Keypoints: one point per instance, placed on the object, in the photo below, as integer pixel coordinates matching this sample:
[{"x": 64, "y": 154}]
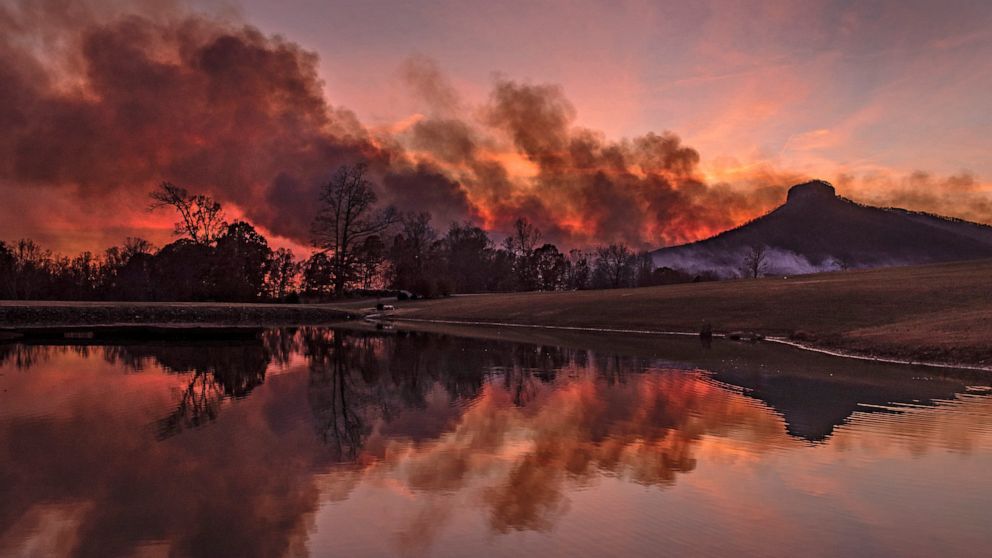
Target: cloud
[
  {"x": 104, "y": 101},
  {"x": 222, "y": 108}
]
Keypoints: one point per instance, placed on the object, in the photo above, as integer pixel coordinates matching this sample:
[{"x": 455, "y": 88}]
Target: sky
[
  {"x": 819, "y": 87},
  {"x": 652, "y": 123}
]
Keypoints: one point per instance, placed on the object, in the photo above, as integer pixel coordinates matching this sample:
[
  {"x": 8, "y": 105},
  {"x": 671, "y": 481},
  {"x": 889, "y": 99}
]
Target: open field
[
  {"x": 940, "y": 313},
  {"x": 29, "y": 314},
  {"x": 937, "y": 313}
]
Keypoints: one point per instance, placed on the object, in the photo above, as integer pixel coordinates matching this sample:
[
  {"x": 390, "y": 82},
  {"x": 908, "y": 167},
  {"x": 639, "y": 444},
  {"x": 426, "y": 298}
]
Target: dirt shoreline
[
  {"x": 934, "y": 314},
  {"x": 869, "y": 357},
  {"x": 938, "y": 314}
]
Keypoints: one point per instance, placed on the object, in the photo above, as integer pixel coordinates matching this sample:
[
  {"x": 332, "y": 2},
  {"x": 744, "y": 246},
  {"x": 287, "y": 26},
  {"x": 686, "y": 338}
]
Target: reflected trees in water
[{"x": 516, "y": 427}]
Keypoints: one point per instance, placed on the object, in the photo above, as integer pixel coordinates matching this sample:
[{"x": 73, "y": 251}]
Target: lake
[{"x": 352, "y": 442}]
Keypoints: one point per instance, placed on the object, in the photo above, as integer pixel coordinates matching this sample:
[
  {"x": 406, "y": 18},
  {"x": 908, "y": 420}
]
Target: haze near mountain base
[{"x": 817, "y": 230}]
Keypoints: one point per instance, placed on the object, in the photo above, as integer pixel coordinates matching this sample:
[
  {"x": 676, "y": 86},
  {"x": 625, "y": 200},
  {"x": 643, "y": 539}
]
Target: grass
[
  {"x": 937, "y": 312},
  {"x": 940, "y": 313}
]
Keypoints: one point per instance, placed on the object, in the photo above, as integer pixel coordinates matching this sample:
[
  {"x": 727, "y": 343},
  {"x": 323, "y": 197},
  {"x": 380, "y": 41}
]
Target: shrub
[
  {"x": 425, "y": 288},
  {"x": 444, "y": 287}
]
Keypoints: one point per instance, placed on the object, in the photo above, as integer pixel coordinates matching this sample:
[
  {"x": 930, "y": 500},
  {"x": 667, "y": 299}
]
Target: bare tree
[
  {"x": 200, "y": 217},
  {"x": 524, "y": 238},
  {"x": 522, "y": 243},
  {"x": 346, "y": 218},
  {"x": 371, "y": 255},
  {"x": 413, "y": 255},
  {"x": 614, "y": 266},
  {"x": 469, "y": 254},
  {"x": 579, "y": 270},
  {"x": 755, "y": 261},
  {"x": 643, "y": 274},
  {"x": 282, "y": 273},
  {"x": 32, "y": 265},
  {"x": 551, "y": 266},
  {"x": 8, "y": 272}
]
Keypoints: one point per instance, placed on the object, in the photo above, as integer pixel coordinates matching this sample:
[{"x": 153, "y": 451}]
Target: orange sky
[
  {"x": 596, "y": 448},
  {"x": 886, "y": 100}
]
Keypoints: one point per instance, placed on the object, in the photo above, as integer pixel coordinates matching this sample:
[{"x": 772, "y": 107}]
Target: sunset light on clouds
[
  {"x": 495, "y": 279},
  {"x": 650, "y": 123}
]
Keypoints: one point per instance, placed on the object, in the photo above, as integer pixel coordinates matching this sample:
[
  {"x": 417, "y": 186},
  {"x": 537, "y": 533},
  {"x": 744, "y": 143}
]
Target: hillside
[
  {"x": 933, "y": 312},
  {"x": 817, "y": 230}
]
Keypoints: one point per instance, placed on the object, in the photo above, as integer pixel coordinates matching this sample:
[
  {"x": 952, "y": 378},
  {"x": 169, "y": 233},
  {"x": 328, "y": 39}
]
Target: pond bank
[
  {"x": 419, "y": 323},
  {"x": 937, "y": 314},
  {"x": 18, "y": 316}
]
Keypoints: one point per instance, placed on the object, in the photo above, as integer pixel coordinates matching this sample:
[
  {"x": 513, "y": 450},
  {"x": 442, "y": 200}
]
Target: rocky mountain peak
[{"x": 814, "y": 190}]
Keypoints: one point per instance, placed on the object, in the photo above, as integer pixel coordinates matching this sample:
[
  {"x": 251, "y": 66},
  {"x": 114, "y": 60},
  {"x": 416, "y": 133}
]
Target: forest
[{"x": 359, "y": 249}]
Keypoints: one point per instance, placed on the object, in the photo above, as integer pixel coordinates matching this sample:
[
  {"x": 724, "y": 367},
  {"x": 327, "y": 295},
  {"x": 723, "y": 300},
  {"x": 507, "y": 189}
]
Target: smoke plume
[{"x": 99, "y": 105}]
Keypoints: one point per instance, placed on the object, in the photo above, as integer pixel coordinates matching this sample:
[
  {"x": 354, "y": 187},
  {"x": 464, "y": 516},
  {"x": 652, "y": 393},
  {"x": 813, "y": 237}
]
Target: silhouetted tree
[
  {"x": 317, "y": 275},
  {"x": 469, "y": 254},
  {"x": 521, "y": 244},
  {"x": 579, "y": 270},
  {"x": 413, "y": 256},
  {"x": 346, "y": 218},
  {"x": 116, "y": 259},
  {"x": 614, "y": 267},
  {"x": 8, "y": 270},
  {"x": 240, "y": 262},
  {"x": 281, "y": 274},
  {"x": 755, "y": 261},
  {"x": 643, "y": 269},
  {"x": 371, "y": 256},
  {"x": 502, "y": 277},
  {"x": 134, "y": 280},
  {"x": 551, "y": 268},
  {"x": 218, "y": 261},
  {"x": 182, "y": 270},
  {"x": 80, "y": 276},
  {"x": 200, "y": 217},
  {"x": 34, "y": 270}
]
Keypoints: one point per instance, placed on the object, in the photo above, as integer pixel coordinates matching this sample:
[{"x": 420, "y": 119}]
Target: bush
[
  {"x": 425, "y": 288},
  {"x": 444, "y": 287}
]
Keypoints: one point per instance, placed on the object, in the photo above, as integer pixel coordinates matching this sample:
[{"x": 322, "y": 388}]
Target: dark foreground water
[{"x": 344, "y": 443}]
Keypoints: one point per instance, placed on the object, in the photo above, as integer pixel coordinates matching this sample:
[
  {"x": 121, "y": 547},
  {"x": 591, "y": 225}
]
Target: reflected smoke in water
[{"x": 520, "y": 426}]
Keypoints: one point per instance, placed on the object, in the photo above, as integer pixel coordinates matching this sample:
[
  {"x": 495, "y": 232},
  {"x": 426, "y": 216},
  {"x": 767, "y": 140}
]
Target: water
[{"x": 350, "y": 443}]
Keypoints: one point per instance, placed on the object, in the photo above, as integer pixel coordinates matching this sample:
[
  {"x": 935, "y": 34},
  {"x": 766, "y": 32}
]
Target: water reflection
[{"x": 256, "y": 441}]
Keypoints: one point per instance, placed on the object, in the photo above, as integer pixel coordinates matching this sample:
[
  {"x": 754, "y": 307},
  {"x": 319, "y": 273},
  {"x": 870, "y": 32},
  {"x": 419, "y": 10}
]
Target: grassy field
[{"x": 939, "y": 313}]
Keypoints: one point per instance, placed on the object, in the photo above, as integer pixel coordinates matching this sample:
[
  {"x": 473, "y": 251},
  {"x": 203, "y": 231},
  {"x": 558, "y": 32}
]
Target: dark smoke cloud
[
  {"x": 429, "y": 188},
  {"x": 214, "y": 106},
  {"x": 584, "y": 188},
  {"x": 113, "y": 104}
]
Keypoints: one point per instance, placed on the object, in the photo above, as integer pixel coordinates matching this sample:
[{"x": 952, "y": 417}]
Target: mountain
[{"x": 817, "y": 230}]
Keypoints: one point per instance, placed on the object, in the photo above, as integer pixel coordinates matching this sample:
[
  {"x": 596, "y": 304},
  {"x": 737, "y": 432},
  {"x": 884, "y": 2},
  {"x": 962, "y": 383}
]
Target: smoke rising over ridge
[
  {"x": 221, "y": 107},
  {"x": 98, "y": 106}
]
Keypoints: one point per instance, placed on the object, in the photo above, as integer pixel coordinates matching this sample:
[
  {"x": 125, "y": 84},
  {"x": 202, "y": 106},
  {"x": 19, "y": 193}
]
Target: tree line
[{"x": 360, "y": 247}]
